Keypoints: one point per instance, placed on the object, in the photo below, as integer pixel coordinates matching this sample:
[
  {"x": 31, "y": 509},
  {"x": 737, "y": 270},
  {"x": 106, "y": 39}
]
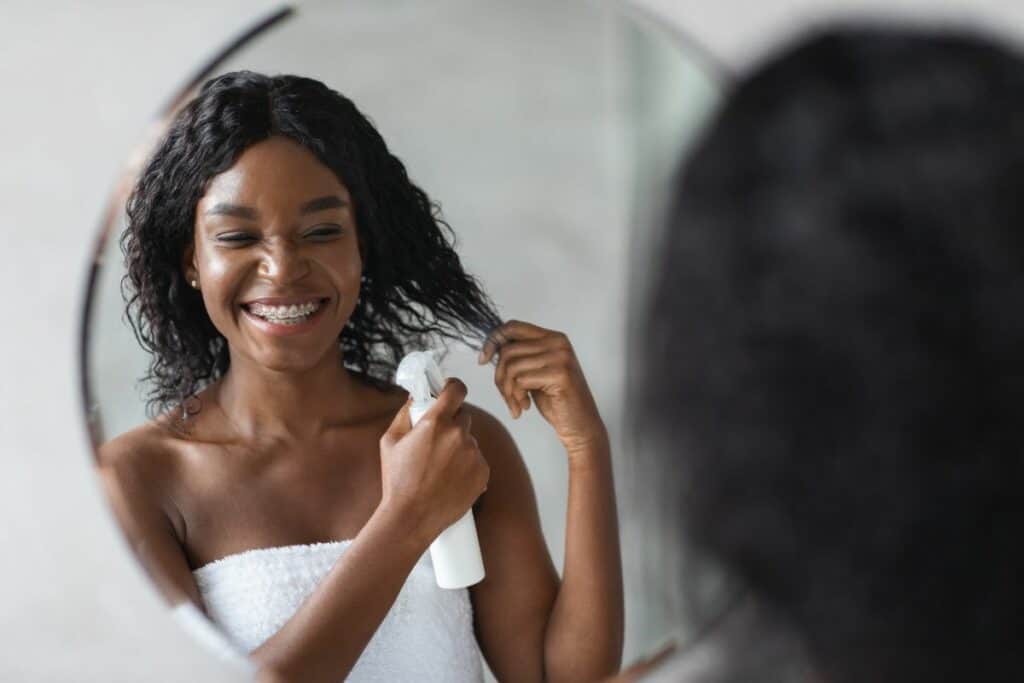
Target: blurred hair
[
  {"x": 832, "y": 354},
  {"x": 414, "y": 290}
]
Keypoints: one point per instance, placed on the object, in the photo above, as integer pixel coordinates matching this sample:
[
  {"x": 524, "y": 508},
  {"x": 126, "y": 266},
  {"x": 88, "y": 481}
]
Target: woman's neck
[{"x": 289, "y": 405}]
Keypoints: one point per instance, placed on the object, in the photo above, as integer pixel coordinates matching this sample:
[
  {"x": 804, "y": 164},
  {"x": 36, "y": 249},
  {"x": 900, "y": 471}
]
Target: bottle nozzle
[{"x": 420, "y": 375}]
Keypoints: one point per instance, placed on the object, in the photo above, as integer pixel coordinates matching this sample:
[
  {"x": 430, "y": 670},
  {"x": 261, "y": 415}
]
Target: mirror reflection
[{"x": 358, "y": 185}]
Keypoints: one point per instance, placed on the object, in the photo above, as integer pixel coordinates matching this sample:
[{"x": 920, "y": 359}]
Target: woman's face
[{"x": 276, "y": 256}]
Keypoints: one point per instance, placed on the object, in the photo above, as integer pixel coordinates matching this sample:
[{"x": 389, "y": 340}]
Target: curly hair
[
  {"x": 414, "y": 289},
  {"x": 832, "y": 351}
]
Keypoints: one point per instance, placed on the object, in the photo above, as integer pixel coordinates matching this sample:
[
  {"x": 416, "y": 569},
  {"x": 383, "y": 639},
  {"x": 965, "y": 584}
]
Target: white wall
[{"x": 80, "y": 82}]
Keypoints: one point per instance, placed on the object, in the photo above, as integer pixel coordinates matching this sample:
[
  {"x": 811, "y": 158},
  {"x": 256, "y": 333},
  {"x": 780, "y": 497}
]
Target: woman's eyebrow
[
  {"x": 321, "y": 203},
  {"x": 227, "y": 209},
  {"x": 312, "y": 206}
]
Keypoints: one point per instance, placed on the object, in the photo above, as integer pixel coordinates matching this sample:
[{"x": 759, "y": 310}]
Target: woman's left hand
[{"x": 540, "y": 364}]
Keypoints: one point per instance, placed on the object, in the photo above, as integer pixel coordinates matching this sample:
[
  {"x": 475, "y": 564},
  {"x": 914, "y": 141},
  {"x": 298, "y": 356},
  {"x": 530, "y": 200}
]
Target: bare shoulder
[
  {"x": 509, "y": 486},
  {"x": 138, "y": 470},
  {"x": 494, "y": 439},
  {"x": 145, "y": 449}
]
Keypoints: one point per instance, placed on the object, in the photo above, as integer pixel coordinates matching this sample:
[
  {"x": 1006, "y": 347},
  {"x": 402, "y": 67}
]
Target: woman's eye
[
  {"x": 324, "y": 232},
  {"x": 235, "y": 238}
]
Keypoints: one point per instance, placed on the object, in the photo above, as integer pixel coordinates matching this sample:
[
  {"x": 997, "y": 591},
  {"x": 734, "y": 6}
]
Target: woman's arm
[
  {"x": 512, "y": 604},
  {"x": 531, "y": 626},
  {"x": 585, "y": 632},
  {"x": 133, "y": 472},
  {"x": 326, "y": 636}
]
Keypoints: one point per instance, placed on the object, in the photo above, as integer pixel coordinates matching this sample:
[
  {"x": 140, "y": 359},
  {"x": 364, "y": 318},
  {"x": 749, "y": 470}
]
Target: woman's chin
[
  {"x": 292, "y": 355},
  {"x": 290, "y": 363}
]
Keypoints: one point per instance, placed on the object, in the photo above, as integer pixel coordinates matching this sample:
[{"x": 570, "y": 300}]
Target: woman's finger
[
  {"x": 491, "y": 344},
  {"x": 449, "y": 401},
  {"x": 526, "y": 348},
  {"x": 517, "y": 329},
  {"x": 541, "y": 378},
  {"x": 464, "y": 421},
  {"x": 510, "y": 369},
  {"x": 500, "y": 373},
  {"x": 400, "y": 424},
  {"x": 500, "y": 383},
  {"x": 506, "y": 361},
  {"x": 513, "y": 330},
  {"x": 644, "y": 666}
]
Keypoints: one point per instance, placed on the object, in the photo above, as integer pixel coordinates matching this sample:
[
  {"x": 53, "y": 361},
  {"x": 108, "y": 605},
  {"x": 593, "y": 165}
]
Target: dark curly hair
[
  {"x": 414, "y": 291},
  {"x": 833, "y": 350}
]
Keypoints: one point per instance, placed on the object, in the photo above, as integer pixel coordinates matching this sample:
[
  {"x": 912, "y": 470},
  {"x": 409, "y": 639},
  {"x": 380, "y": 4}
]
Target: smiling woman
[
  {"x": 280, "y": 263},
  {"x": 273, "y": 263},
  {"x": 277, "y": 182}
]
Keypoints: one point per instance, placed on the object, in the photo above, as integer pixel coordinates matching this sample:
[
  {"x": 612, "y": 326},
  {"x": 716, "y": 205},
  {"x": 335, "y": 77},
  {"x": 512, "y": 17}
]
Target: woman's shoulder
[
  {"x": 139, "y": 470},
  {"x": 123, "y": 447},
  {"x": 144, "y": 454},
  {"x": 486, "y": 427},
  {"x": 496, "y": 443}
]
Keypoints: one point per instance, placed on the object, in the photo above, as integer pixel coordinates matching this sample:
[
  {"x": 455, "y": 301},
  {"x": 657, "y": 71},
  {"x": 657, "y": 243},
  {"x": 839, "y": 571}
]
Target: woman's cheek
[
  {"x": 217, "y": 265},
  {"x": 220, "y": 276},
  {"x": 350, "y": 266}
]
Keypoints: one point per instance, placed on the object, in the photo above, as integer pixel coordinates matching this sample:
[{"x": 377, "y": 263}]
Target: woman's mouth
[{"x": 285, "y": 319}]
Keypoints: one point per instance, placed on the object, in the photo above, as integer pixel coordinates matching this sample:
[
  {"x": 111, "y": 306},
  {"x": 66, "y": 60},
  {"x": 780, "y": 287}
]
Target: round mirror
[{"x": 543, "y": 134}]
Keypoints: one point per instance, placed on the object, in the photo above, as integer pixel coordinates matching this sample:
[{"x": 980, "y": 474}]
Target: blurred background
[{"x": 606, "y": 102}]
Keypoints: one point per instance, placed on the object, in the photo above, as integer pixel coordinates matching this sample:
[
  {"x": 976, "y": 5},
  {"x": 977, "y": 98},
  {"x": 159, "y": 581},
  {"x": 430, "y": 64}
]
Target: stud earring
[{"x": 195, "y": 285}]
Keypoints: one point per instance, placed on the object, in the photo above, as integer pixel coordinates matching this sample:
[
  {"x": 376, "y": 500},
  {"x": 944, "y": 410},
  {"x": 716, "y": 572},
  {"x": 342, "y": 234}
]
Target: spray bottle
[{"x": 455, "y": 554}]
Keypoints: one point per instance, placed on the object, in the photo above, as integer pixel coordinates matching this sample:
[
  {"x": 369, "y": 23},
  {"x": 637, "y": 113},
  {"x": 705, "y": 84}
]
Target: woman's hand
[
  {"x": 432, "y": 473},
  {"x": 540, "y": 364}
]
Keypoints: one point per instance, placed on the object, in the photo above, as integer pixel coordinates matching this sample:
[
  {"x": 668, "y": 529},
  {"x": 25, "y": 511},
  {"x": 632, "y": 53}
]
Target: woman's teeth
[{"x": 287, "y": 315}]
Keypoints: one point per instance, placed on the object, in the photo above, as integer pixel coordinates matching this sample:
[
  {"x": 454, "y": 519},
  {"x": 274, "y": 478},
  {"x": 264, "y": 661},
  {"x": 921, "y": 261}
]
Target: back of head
[{"x": 834, "y": 348}]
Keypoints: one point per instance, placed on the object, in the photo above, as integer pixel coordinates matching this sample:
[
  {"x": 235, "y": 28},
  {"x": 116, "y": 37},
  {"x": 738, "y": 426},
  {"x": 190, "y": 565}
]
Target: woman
[
  {"x": 280, "y": 263},
  {"x": 840, "y": 294}
]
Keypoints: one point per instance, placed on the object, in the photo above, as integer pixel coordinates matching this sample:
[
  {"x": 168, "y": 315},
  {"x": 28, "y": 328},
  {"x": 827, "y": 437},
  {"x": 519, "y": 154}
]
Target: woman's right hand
[{"x": 432, "y": 473}]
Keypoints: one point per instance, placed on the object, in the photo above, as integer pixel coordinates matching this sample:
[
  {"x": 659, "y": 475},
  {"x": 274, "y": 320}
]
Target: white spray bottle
[{"x": 455, "y": 554}]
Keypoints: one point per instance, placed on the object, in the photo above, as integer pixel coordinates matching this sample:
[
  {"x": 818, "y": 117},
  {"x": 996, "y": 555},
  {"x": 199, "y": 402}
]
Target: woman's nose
[{"x": 283, "y": 262}]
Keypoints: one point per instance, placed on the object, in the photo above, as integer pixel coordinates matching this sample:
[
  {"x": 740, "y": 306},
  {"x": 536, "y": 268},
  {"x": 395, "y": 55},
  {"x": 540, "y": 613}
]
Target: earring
[{"x": 195, "y": 285}]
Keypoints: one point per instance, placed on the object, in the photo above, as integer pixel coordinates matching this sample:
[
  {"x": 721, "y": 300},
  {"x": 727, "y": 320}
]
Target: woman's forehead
[{"x": 274, "y": 173}]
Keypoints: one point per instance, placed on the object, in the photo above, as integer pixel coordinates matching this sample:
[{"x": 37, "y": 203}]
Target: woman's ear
[
  {"x": 188, "y": 263},
  {"x": 363, "y": 249},
  {"x": 362, "y": 254}
]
